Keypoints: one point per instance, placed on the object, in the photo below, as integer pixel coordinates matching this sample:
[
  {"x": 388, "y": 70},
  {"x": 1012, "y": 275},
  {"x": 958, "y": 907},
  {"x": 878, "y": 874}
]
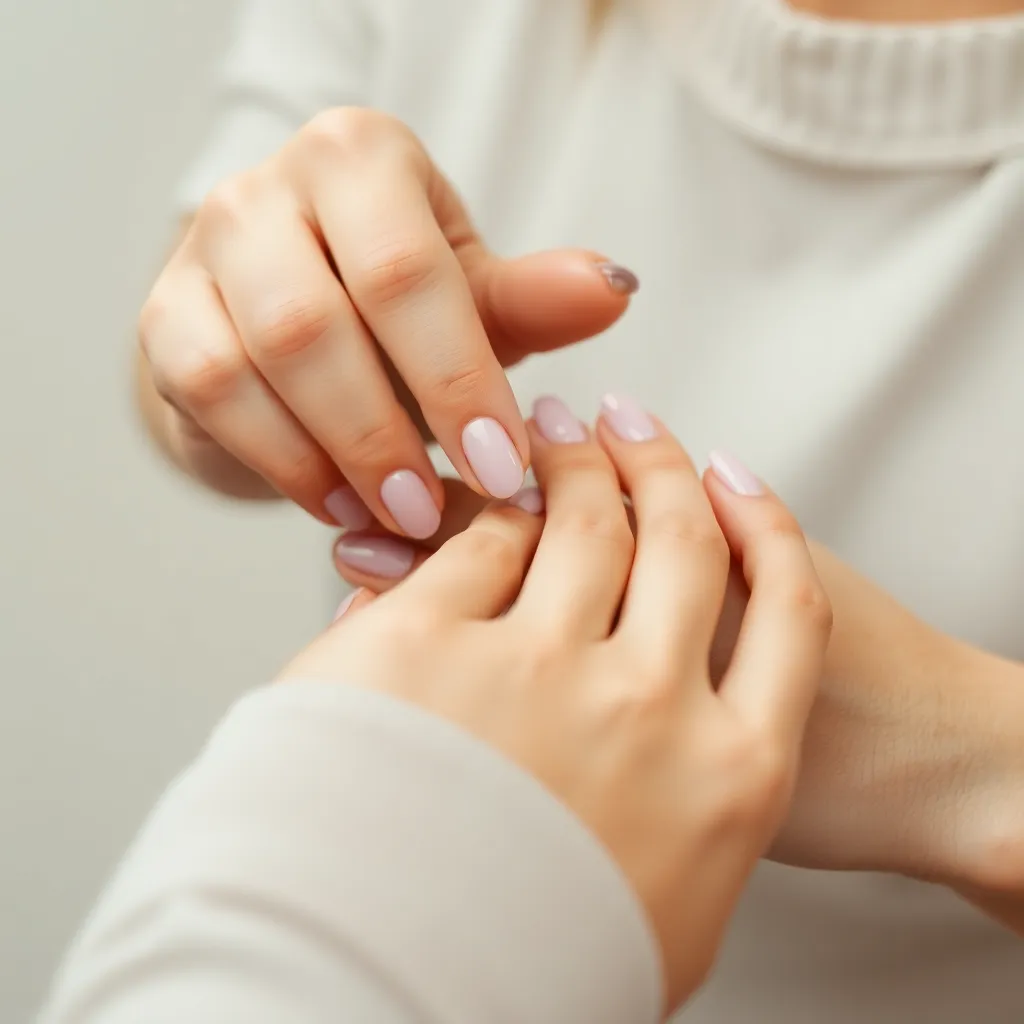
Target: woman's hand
[
  {"x": 584, "y": 657},
  {"x": 324, "y": 302}
]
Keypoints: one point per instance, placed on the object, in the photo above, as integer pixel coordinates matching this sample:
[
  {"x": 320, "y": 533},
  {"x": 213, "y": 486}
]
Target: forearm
[{"x": 337, "y": 855}]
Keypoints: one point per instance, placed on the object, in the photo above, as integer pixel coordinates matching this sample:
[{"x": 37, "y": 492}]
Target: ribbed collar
[{"x": 940, "y": 95}]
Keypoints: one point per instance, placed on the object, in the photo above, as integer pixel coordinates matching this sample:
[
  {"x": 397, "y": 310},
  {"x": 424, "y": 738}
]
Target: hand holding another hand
[{"x": 582, "y": 655}]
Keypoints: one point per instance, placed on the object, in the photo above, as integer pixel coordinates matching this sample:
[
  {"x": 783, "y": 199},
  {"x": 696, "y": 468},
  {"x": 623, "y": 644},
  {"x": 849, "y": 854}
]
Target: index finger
[
  {"x": 779, "y": 658},
  {"x": 403, "y": 276}
]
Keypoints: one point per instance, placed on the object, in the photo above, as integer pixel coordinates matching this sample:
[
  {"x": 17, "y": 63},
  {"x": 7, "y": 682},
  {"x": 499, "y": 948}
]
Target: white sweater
[{"x": 828, "y": 220}]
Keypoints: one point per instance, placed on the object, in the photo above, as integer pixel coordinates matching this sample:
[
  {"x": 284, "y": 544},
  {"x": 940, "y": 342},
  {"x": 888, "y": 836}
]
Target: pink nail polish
[
  {"x": 529, "y": 499},
  {"x": 387, "y": 557},
  {"x": 346, "y": 604},
  {"x": 556, "y": 422},
  {"x": 346, "y": 508},
  {"x": 492, "y": 457},
  {"x": 406, "y": 497},
  {"x": 620, "y": 278},
  {"x": 735, "y": 475},
  {"x": 627, "y": 419}
]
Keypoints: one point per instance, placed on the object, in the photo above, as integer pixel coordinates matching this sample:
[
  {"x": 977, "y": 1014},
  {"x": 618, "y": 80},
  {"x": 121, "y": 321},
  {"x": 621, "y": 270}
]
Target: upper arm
[{"x": 286, "y": 61}]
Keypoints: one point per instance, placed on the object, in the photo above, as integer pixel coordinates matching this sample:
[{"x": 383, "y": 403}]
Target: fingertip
[{"x": 734, "y": 475}]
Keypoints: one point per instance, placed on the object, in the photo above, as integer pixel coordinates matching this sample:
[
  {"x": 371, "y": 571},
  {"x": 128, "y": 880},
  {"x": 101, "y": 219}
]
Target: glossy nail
[
  {"x": 347, "y": 509},
  {"x": 627, "y": 419},
  {"x": 529, "y": 499},
  {"x": 386, "y": 557},
  {"x": 556, "y": 423},
  {"x": 346, "y": 604},
  {"x": 493, "y": 457},
  {"x": 619, "y": 278},
  {"x": 735, "y": 475},
  {"x": 406, "y": 497}
]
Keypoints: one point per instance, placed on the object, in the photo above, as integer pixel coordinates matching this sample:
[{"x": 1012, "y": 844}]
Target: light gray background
[{"x": 133, "y": 607}]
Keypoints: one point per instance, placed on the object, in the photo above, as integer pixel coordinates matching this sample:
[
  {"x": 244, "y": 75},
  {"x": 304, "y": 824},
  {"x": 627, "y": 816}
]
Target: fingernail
[
  {"x": 406, "y": 497},
  {"x": 529, "y": 499},
  {"x": 386, "y": 557},
  {"x": 556, "y": 422},
  {"x": 735, "y": 475},
  {"x": 346, "y": 508},
  {"x": 621, "y": 279},
  {"x": 346, "y": 604},
  {"x": 493, "y": 457},
  {"x": 627, "y": 419}
]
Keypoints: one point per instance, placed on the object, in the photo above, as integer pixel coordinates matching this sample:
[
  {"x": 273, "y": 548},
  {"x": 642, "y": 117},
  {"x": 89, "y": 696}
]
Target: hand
[
  {"x": 317, "y": 293},
  {"x": 596, "y": 680}
]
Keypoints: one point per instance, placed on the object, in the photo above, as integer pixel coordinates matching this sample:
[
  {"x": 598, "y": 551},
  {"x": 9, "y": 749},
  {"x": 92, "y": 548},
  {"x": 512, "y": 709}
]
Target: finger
[
  {"x": 575, "y": 585},
  {"x": 478, "y": 573},
  {"x": 375, "y": 210},
  {"x": 200, "y": 367},
  {"x": 681, "y": 566},
  {"x": 777, "y": 664},
  {"x": 544, "y": 301},
  {"x": 379, "y": 560},
  {"x": 359, "y": 598},
  {"x": 307, "y": 340}
]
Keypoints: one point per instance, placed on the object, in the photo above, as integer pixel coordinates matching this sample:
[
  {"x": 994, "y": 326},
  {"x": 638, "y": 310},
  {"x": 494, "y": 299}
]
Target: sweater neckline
[{"x": 946, "y": 94}]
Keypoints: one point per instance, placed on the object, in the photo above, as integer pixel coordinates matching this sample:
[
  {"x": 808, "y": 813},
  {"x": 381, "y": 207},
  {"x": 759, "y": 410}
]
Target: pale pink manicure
[
  {"x": 406, "y": 497},
  {"x": 556, "y": 422},
  {"x": 346, "y": 604},
  {"x": 493, "y": 457},
  {"x": 627, "y": 419},
  {"x": 735, "y": 475},
  {"x": 529, "y": 499},
  {"x": 386, "y": 557},
  {"x": 620, "y": 278},
  {"x": 346, "y": 508}
]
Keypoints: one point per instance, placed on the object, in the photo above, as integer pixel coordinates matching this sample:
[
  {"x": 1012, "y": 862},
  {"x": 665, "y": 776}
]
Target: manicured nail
[
  {"x": 627, "y": 419},
  {"x": 493, "y": 457},
  {"x": 406, "y": 497},
  {"x": 621, "y": 280},
  {"x": 346, "y": 508},
  {"x": 735, "y": 475},
  {"x": 386, "y": 557},
  {"x": 556, "y": 422},
  {"x": 346, "y": 604},
  {"x": 529, "y": 499}
]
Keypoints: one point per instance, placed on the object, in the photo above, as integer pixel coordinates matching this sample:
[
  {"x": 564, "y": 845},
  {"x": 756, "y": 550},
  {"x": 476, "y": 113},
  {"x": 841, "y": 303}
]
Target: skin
[
  {"x": 953, "y": 714},
  {"x": 597, "y": 679}
]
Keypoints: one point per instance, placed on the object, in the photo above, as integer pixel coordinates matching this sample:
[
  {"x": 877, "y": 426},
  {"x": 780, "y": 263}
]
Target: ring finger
[{"x": 575, "y": 584}]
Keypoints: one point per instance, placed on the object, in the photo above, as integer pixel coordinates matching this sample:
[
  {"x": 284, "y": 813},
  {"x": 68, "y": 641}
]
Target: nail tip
[{"x": 621, "y": 279}]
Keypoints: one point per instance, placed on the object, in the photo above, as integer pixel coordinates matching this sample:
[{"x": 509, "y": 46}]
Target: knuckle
[
  {"x": 228, "y": 203},
  {"x": 761, "y": 775},
  {"x": 200, "y": 377},
  {"x": 806, "y": 600},
  {"x": 292, "y": 328},
  {"x": 455, "y": 385},
  {"x": 345, "y": 132},
  {"x": 684, "y": 529},
  {"x": 306, "y": 473},
  {"x": 372, "y": 442},
  {"x": 605, "y": 526},
  {"x": 152, "y": 318},
  {"x": 393, "y": 272},
  {"x": 496, "y": 541}
]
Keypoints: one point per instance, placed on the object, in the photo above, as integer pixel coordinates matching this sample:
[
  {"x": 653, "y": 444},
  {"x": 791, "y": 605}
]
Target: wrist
[{"x": 987, "y": 847}]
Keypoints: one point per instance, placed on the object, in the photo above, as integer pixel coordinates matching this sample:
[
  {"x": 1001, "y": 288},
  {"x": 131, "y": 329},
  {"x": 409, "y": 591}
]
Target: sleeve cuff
[{"x": 452, "y": 871}]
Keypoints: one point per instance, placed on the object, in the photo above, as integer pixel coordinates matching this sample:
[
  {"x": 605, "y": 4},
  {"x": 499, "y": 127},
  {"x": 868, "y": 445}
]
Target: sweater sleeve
[
  {"x": 286, "y": 61},
  {"x": 335, "y": 854}
]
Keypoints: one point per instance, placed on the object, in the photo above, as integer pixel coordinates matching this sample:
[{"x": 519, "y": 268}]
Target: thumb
[
  {"x": 378, "y": 560},
  {"x": 547, "y": 300}
]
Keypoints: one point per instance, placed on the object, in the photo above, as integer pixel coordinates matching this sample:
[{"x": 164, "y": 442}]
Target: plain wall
[{"x": 134, "y": 607}]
